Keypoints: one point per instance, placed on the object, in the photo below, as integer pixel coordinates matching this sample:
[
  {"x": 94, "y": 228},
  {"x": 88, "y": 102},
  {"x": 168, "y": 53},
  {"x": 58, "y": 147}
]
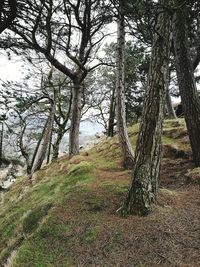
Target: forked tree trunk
[
  {"x": 186, "y": 81},
  {"x": 127, "y": 151},
  {"x": 143, "y": 191},
  {"x": 61, "y": 124},
  {"x": 42, "y": 146},
  {"x": 75, "y": 120}
]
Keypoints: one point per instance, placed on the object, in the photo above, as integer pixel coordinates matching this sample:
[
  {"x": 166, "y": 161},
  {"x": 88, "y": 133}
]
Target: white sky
[{"x": 10, "y": 69}]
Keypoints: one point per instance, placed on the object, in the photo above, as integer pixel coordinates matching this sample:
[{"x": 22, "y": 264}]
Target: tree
[
  {"x": 185, "y": 74},
  {"x": 169, "y": 107},
  {"x": 127, "y": 151},
  {"x": 42, "y": 146},
  {"x": 143, "y": 190},
  {"x": 64, "y": 30},
  {"x": 62, "y": 88},
  {"x": 2, "y": 120},
  {"x": 136, "y": 62}
]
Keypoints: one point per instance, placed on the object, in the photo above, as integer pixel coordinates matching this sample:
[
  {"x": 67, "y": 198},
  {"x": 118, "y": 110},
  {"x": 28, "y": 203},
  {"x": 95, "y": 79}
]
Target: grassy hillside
[{"x": 67, "y": 216}]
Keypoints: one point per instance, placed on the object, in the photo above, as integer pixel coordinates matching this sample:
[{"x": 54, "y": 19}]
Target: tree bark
[
  {"x": 126, "y": 149},
  {"x": 1, "y": 142},
  {"x": 111, "y": 121},
  {"x": 56, "y": 144},
  {"x": 49, "y": 147},
  {"x": 170, "y": 110},
  {"x": 75, "y": 120},
  {"x": 143, "y": 191},
  {"x": 42, "y": 146},
  {"x": 187, "y": 86}
]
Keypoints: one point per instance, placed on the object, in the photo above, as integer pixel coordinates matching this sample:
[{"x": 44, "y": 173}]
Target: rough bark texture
[
  {"x": 75, "y": 120},
  {"x": 42, "y": 147},
  {"x": 143, "y": 191},
  {"x": 127, "y": 152},
  {"x": 187, "y": 85}
]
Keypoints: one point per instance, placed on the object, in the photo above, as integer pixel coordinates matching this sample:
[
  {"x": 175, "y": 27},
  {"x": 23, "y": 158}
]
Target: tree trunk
[
  {"x": 170, "y": 110},
  {"x": 56, "y": 145},
  {"x": 111, "y": 121},
  {"x": 75, "y": 120},
  {"x": 169, "y": 107},
  {"x": 24, "y": 151},
  {"x": 49, "y": 147},
  {"x": 187, "y": 86},
  {"x": 1, "y": 142},
  {"x": 143, "y": 191},
  {"x": 127, "y": 152},
  {"x": 42, "y": 146}
]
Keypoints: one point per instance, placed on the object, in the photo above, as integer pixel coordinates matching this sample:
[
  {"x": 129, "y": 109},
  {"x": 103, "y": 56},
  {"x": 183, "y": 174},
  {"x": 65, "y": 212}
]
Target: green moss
[
  {"x": 167, "y": 140},
  {"x": 55, "y": 230},
  {"x": 32, "y": 220},
  {"x": 90, "y": 235},
  {"x": 81, "y": 168},
  {"x": 96, "y": 203},
  {"x": 46, "y": 247},
  {"x": 174, "y": 123}
]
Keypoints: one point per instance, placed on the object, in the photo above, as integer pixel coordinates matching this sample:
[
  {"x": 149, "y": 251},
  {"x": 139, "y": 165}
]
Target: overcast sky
[{"x": 10, "y": 69}]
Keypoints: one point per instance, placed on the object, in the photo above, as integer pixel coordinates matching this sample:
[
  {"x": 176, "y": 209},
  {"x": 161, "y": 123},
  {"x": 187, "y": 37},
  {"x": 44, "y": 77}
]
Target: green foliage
[{"x": 136, "y": 68}]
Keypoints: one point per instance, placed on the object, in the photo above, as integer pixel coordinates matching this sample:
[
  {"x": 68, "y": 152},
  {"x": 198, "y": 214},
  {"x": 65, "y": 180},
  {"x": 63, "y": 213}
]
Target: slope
[{"x": 67, "y": 215}]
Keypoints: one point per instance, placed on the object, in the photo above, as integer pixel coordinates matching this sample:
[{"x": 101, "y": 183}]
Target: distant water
[{"x": 88, "y": 130}]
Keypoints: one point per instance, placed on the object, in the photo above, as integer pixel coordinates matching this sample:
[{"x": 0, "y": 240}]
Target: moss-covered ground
[{"x": 67, "y": 215}]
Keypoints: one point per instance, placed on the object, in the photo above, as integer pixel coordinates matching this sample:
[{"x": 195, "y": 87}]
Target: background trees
[
  {"x": 69, "y": 30},
  {"x": 68, "y": 35}
]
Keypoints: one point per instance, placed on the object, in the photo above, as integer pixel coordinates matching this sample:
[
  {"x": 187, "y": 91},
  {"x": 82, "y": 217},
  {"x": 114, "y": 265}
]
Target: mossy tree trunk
[
  {"x": 143, "y": 190},
  {"x": 127, "y": 152},
  {"x": 187, "y": 86}
]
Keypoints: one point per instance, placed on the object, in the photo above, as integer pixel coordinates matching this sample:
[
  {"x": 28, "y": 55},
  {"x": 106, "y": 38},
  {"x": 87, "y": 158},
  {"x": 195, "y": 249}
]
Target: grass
[{"x": 67, "y": 216}]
